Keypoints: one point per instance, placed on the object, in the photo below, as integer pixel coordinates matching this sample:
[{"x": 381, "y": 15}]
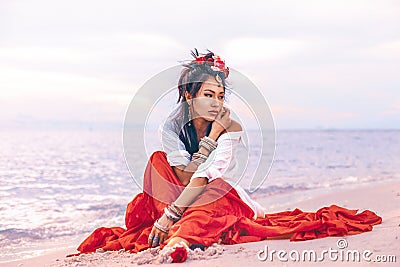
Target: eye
[
  {"x": 208, "y": 95},
  {"x": 222, "y": 97}
]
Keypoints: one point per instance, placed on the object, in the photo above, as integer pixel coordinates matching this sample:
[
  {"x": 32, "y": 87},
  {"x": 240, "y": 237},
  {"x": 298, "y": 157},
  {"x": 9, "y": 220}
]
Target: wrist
[
  {"x": 167, "y": 221},
  {"x": 172, "y": 213},
  {"x": 214, "y": 135}
]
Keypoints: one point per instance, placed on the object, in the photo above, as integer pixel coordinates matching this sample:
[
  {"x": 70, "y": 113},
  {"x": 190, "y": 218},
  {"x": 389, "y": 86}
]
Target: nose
[{"x": 215, "y": 103}]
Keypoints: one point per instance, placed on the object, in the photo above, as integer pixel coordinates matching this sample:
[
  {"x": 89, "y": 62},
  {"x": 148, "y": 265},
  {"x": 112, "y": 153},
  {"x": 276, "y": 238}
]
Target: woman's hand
[
  {"x": 157, "y": 236},
  {"x": 222, "y": 121}
]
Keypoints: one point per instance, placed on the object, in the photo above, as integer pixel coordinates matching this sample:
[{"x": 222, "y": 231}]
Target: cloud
[
  {"x": 113, "y": 54},
  {"x": 392, "y": 110},
  {"x": 36, "y": 82},
  {"x": 384, "y": 51},
  {"x": 331, "y": 57},
  {"x": 293, "y": 111},
  {"x": 242, "y": 50}
]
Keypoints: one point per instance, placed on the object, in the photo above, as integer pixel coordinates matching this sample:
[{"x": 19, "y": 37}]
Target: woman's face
[{"x": 209, "y": 100}]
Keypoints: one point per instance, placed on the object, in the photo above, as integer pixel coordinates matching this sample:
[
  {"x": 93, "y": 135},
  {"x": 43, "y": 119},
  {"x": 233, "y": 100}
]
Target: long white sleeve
[
  {"x": 173, "y": 147},
  {"x": 222, "y": 159},
  {"x": 221, "y": 163}
]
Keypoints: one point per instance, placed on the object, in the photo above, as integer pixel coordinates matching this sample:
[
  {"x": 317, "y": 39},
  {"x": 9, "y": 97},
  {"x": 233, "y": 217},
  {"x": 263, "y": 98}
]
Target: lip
[{"x": 214, "y": 112}]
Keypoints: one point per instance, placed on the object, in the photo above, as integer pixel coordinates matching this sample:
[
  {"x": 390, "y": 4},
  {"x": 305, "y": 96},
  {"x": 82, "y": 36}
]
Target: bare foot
[{"x": 177, "y": 239}]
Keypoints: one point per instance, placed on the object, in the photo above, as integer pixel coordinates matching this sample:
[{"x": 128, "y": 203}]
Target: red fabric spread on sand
[{"x": 228, "y": 219}]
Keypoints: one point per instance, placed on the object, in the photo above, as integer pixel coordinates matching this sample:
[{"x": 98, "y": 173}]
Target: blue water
[{"x": 57, "y": 187}]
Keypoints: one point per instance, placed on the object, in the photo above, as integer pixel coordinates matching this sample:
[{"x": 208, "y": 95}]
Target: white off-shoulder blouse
[{"x": 221, "y": 163}]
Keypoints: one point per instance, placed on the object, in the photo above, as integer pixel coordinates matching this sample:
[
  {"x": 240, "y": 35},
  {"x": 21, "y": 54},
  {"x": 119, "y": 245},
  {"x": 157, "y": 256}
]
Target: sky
[{"x": 319, "y": 64}]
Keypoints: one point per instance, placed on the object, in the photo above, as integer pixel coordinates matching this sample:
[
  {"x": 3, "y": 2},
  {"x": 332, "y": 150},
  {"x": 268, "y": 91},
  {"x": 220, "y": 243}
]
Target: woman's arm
[
  {"x": 188, "y": 195},
  {"x": 191, "y": 192},
  {"x": 184, "y": 173},
  {"x": 194, "y": 187},
  {"x": 197, "y": 185}
]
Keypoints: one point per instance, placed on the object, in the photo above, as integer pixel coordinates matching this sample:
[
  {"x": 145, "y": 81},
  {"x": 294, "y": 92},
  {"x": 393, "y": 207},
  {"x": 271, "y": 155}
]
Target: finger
[
  {"x": 156, "y": 243},
  {"x": 224, "y": 114},
  {"x": 162, "y": 238},
  {"x": 165, "y": 237},
  {"x": 221, "y": 113},
  {"x": 156, "y": 239},
  {"x": 151, "y": 236},
  {"x": 227, "y": 114}
]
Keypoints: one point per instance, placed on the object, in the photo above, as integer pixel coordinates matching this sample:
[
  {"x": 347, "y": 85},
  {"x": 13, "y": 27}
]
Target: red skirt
[{"x": 227, "y": 220}]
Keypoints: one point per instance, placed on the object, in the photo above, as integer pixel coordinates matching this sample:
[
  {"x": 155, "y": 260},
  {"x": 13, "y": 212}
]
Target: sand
[{"x": 383, "y": 240}]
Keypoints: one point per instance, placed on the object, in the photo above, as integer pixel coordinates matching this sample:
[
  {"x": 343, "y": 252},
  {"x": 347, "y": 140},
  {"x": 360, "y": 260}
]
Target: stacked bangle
[
  {"x": 198, "y": 158},
  {"x": 198, "y": 155},
  {"x": 160, "y": 227},
  {"x": 175, "y": 209},
  {"x": 171, "y": 215},
  {"x": 172, "y": 211},
  {"x": 208, "y": 143}
]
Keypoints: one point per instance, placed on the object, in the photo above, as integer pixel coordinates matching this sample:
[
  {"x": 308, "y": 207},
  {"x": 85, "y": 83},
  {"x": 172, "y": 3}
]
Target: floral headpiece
[{"x": 214, "y": 61}]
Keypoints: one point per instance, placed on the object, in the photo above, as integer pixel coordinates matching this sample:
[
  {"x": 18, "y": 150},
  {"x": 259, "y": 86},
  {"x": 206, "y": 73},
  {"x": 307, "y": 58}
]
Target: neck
[{"x": 201, "y": 126}]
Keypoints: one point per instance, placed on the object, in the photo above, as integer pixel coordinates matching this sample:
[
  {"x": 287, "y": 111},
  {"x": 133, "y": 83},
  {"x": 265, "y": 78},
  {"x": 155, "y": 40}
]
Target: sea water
[{"x": 56, "y": 187}]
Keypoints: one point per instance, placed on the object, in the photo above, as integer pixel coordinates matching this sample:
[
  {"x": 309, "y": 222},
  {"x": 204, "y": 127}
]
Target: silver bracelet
[
  {"x": 175, "y": 209},
  {"x": 209, "y": 141},
  {"x": 207, "y": 146},
  {"x": 198, "y": 158},
  {"x": 197, "y": 161},
  {"x": 198, "y": 155},
  {"x": 170, "y": 215},
  {"x": 160, "y": 227}
]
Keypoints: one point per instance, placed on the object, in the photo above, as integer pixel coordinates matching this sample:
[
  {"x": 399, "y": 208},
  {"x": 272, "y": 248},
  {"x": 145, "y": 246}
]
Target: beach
[
  {"x": 91, "y": 90},
  {"x": 382, "y": 241}
]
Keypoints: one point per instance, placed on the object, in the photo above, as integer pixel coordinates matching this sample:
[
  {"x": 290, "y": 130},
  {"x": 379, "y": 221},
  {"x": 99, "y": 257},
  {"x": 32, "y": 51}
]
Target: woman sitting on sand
[
  {"x": 188, "y": 194},
  {"x": 200, "y": 141}
]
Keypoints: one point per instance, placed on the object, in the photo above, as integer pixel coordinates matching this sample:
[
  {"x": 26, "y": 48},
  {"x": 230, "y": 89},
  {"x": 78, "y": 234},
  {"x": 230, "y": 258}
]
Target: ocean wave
[{"x": 79, "y": 181}]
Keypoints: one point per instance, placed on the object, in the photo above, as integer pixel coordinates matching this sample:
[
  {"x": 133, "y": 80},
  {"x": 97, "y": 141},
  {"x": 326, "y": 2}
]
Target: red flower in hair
[
  {"x": 200, "y": 60},
  {"x": 219, "y": 63},
  {"x": 226, "y": 71},
  {"x": 214, "y": 61},
  {"x": 179, "y": 254}
]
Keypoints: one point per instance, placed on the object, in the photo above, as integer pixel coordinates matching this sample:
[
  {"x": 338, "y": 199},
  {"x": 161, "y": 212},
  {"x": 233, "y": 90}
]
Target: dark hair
[{"x": 191, "y": 79}]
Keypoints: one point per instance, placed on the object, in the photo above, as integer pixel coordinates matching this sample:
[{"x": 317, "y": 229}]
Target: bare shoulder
[{"x": 235, "y": 127}]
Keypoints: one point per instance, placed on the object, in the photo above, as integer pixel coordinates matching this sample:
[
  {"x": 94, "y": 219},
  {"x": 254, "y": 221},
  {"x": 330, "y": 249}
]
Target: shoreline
[{"x": 384, "y": 238}]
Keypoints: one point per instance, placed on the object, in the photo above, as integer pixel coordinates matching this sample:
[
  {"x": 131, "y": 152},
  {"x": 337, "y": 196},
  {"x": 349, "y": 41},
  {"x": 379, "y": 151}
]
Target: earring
[
  {"x": 189, "y": 116},
  {"x": 219, "y": 80}
]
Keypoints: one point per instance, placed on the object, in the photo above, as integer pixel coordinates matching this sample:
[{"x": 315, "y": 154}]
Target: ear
[{"x": 187, "y": 96}]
